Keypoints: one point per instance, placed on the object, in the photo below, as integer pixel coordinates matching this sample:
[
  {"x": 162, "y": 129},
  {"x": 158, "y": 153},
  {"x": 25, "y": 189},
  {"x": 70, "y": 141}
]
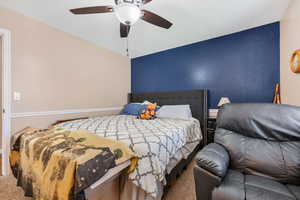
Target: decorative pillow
[
  {"x": 175, "y": 112},
  {"x": 133, "y": 109},
  {"x": 149, "y": 113}
]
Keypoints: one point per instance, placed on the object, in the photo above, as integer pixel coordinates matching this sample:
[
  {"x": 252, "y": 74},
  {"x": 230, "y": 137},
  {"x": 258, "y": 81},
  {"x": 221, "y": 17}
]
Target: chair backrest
[{"x": 262, "y": 139}]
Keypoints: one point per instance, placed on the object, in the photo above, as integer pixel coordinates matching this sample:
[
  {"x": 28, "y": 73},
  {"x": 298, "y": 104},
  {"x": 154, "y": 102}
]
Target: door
[{"x": 5, "y": 100}]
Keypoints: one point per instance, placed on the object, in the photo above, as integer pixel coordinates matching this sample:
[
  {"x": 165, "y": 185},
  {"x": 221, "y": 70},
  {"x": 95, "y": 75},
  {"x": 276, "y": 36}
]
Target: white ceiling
[{"x": 194, "y": 21}]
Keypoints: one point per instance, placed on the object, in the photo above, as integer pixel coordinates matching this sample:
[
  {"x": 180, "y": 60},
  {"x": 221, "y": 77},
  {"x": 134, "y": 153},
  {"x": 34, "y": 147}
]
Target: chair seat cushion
[
  {"x": 232, "y": 187},
  {"x": 259, "y": 188},
  {"x": 237, "y": 186},
  {"x": 295, "y": 190}
]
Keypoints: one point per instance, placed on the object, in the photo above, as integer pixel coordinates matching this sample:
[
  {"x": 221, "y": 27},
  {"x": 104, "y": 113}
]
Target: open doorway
[{"x": 5, "y": 100}]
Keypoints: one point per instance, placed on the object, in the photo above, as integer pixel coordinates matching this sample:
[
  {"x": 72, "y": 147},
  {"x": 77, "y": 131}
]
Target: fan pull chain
[
  {"x": 127, "y": 47},
  {"x": 127, "y": 42}
]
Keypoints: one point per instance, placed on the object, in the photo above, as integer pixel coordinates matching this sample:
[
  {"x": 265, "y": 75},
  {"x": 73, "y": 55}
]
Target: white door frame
[{"x": 6, "y": 99}]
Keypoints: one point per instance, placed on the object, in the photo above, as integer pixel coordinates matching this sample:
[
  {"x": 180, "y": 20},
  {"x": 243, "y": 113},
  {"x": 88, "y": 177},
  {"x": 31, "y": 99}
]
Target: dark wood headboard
[{"x": 197, "y": 99}]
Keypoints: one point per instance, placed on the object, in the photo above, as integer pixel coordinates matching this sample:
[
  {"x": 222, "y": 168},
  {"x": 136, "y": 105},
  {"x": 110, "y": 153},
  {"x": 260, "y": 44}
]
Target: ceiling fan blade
[
  {"x": 92, "y": 10},
  {"x": 155, "y": 19},
  {"x": 146, "y": 1},
  {"x": 124, "y": 30}
]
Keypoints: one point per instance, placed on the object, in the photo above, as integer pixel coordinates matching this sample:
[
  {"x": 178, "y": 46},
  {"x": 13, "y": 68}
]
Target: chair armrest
[
  {"x": 205, "y": 183},
  {"x": 213, "y": 158}
]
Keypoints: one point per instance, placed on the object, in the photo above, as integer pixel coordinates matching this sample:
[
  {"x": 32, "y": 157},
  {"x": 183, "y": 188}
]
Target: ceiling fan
[{"x": 128, "y": 12}]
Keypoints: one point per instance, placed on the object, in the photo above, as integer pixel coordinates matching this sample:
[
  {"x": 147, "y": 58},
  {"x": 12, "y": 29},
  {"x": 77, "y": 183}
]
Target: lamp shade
[
  {"x": 128, "y": 13},
  {"x": 223, "y": 100}
]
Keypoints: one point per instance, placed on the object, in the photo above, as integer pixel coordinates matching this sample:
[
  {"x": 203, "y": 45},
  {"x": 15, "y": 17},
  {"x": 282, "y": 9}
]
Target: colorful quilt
[
  {"x": 155, "y": 142},
  {"x": 56, "y": 164}
]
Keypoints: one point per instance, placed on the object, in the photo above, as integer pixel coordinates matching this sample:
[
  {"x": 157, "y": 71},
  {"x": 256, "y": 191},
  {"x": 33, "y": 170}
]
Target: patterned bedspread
[
  {"x": 56, "y": 164},
  {"x": 154, "y": 141}
]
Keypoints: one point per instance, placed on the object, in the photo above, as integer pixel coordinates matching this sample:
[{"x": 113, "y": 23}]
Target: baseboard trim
[{"x": 63, "y": 112}]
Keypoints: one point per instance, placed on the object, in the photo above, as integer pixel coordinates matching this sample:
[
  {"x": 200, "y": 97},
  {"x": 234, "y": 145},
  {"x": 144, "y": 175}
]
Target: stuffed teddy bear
[{"x": 148, "y": 113}]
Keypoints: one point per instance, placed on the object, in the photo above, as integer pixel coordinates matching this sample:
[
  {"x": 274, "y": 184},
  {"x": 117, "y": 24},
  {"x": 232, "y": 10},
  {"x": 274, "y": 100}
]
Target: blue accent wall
[{"x": 243, "y": 66}]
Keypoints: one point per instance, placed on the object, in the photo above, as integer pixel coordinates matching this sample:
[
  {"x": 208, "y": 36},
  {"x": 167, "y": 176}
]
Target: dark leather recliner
[{"x": 256, "y": 155}]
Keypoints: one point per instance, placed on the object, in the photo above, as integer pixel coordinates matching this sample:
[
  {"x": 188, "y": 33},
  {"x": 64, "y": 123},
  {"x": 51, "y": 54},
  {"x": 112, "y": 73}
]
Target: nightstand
[{"x": 211, "y": 128}]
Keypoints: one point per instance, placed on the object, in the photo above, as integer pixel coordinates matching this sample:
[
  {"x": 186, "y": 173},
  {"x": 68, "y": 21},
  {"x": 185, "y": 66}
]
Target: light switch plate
[{"x": 17, "y": 96}]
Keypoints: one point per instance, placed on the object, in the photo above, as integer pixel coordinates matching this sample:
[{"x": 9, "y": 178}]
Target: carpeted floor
[{"x": 183, "y": 189}]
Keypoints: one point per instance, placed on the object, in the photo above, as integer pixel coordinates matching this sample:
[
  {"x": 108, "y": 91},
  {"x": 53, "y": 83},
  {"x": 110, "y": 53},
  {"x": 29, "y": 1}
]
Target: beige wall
[
  {"x": 46, "y": 121},
  {"x": 56, "y": 71},
  {"x": 290, "y": 41}
]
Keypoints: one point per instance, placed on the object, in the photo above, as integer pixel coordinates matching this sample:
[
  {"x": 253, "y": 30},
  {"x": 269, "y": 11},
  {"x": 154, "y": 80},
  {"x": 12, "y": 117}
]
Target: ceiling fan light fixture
[{"x": 128, "y": 13}]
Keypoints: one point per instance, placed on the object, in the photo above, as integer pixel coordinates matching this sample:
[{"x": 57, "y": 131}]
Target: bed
[{"x": 165, "y": 146}]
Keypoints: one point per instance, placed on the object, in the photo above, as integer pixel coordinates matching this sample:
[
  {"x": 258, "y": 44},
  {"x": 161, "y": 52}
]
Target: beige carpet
[{"x": 183, "y": 189}]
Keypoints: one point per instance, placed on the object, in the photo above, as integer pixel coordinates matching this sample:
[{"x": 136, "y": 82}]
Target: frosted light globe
[{"x": 128, "y": 13}]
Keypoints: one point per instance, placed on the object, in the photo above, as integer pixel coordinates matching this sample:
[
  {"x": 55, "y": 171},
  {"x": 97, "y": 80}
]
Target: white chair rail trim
[{"x": 63, "y": 112}]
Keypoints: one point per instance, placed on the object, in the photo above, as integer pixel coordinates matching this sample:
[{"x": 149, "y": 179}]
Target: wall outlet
[{"x": 17, "y": 96}]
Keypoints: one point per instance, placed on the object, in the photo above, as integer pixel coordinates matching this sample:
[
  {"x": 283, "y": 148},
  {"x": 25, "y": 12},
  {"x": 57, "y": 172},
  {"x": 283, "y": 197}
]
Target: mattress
[
  {"x": 114, "y": 172},
  {"x": 158, "y": 143}
]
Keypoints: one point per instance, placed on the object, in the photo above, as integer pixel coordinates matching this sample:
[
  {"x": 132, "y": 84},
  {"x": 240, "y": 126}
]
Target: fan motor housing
[{"x": 137, "y": 3}]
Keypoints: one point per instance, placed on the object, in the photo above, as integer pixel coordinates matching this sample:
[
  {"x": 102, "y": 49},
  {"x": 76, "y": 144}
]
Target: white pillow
[{"x": 175, "y": 112}]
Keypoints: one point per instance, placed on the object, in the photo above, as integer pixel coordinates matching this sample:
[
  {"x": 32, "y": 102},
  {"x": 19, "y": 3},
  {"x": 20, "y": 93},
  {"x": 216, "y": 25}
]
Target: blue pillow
[{"x": 133, "y": 109}]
